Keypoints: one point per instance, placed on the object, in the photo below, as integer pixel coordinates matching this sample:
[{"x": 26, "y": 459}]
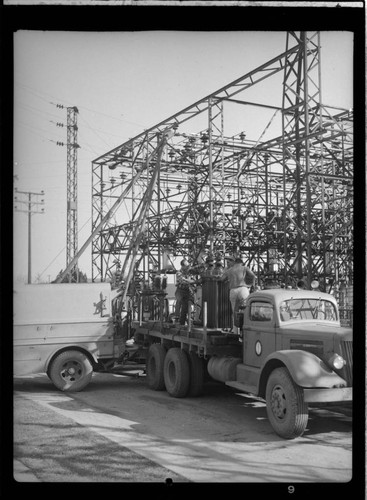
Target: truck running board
[{"x": 242, "y": 387}]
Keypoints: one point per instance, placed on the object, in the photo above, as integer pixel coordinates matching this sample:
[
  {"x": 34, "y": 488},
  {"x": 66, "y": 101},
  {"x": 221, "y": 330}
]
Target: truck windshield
[{"x": 319, "y": 309}]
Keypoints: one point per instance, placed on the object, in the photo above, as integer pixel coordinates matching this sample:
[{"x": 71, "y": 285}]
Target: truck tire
[
  {"x": 285, "y": 405},
  {"x": 196, "y": 375},
  {"x": 70, "y": 371},
  {"x": 154, "y": 367},
  {"x": 176, "y": 372}
]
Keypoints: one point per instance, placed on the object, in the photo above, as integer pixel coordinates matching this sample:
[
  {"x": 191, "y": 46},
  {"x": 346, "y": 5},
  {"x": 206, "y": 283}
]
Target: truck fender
[{"x": 306, "y": 369}]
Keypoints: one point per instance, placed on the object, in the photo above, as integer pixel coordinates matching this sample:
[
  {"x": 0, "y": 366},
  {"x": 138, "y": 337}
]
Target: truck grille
[
  {"x": 314, "y": 346},
  {"x": 347, "y": 353}
]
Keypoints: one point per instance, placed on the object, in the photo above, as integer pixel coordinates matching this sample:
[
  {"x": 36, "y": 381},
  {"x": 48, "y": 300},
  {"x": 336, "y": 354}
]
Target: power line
[
  {"x": 33, "y": 109},
  {"x": 31, "y": 127},
  {"x": 62, "y": 250},
  {"x": 35, "y": 92},
  {"x": 35, "y": 133}
]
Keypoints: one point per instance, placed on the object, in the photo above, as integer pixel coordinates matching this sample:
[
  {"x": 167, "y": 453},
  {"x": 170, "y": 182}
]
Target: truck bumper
[{"x": 328, "y": 395}]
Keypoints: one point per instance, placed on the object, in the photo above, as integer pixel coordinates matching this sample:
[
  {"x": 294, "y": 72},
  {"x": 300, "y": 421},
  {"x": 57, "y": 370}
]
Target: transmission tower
[{"x": 72, "y": 193}]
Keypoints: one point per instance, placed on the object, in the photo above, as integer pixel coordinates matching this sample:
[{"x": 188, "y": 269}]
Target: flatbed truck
[{"x": 291, "y": 350}]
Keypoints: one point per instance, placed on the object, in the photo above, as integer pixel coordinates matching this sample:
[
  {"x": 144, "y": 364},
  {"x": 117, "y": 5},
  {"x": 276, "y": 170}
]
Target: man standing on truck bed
[
  {"x": 240, "y": 278},
  {"x": 184, "y": 291}
]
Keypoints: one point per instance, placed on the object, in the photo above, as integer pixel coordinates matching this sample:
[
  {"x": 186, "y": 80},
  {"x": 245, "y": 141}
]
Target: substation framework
[{"x": 284, "y": 204}]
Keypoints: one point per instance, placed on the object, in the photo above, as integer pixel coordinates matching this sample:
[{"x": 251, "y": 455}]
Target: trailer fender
[
  {"x": 306, "y": 369},
  {"x": 89, "y": 353}
]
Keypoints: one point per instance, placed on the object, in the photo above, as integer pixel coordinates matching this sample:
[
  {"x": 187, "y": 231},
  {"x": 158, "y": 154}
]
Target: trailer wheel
[
  {"x": 71, "y": 371},
  {"x": 154, "y": 367},
  {"x": 176, "y": 372},
  {"x": 285, "y": 405},
  {"x": 196, "y": 375}
]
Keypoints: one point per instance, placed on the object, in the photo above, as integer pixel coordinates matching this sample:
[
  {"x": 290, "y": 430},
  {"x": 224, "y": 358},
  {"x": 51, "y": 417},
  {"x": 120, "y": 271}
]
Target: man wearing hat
[{"x": 240, "y": 278}]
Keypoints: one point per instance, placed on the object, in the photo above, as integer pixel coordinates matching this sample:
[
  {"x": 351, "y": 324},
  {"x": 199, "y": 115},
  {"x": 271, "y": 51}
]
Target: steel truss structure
[{"x": 285, "y": 203}]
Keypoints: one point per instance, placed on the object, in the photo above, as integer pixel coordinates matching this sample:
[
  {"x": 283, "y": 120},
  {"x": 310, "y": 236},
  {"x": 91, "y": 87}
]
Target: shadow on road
[{"x": 323, "y": 419}]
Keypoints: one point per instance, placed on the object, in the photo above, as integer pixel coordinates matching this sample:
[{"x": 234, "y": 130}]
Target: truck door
[{"x": 259, "y": 332}]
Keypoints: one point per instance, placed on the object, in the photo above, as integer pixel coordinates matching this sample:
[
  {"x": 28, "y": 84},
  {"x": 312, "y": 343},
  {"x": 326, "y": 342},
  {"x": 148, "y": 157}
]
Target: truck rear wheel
[
  {"x": 176, "y": 372},
  {"x": 196, "y": 375},
  {"x": 154, "y": 367},
  {"x": 285, "y": 405},
  {"x": 70, "y": 371}
]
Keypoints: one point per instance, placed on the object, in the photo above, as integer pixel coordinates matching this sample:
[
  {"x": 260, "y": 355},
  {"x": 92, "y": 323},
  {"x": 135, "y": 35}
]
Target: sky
[{"x": 123, "y": 83}]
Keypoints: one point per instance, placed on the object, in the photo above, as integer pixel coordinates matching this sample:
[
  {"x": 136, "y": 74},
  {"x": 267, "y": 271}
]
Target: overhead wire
[
  {"x": 46, "y": 96},
  {"x": 53, "y": 260},
  {"x": 44, "y": 139},
  {"x": 39, "y": 95}
]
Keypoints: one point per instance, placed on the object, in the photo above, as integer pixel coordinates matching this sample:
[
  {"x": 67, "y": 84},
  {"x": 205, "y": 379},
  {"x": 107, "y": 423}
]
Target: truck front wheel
[
  {"x": 71, "y": 371},
  {"x": 154, "y": 367},
  {"x": 176, "y": 372},
  {"x": 285, "y": 405}
]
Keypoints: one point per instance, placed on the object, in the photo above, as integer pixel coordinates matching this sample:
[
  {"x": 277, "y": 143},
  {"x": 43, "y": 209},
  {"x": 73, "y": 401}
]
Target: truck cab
[{"x": 294, "y": 352}]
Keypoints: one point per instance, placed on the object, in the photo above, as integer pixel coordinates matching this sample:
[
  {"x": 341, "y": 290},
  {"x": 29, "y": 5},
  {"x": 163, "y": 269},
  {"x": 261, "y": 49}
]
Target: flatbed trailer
[{"x": 203, "y": 341}]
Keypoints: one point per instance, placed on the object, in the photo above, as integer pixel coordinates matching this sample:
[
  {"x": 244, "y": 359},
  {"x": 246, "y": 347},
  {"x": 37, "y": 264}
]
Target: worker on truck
[
  {"x": 184, "y": 291},
  {"x": 241, "y": 279}
]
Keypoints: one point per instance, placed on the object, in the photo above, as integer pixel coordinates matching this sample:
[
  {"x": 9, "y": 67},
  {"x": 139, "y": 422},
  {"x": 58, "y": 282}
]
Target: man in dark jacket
[{"x": 184, "y": 291}]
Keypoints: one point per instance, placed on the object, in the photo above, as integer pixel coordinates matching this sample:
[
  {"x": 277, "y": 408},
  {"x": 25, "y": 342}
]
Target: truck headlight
[{"x": 336, "y": 361}]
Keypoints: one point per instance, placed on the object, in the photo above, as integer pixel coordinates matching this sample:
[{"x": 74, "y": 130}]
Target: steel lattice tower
[
  {"x": 72, "y": 192},
  {"x": 284, "y": 204}
]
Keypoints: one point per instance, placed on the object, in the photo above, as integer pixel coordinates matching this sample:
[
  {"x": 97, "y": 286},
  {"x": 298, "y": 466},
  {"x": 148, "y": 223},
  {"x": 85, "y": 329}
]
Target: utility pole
[{"x": 30, "y": 204}]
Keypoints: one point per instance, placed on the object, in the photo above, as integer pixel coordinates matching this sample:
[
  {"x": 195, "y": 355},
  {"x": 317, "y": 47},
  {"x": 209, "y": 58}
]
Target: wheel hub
[
  {"x": 71, "y": 371},
  {"x": 278, "y": 403}
]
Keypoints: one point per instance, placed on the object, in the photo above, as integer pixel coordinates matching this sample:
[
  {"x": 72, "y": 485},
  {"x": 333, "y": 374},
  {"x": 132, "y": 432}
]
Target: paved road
[{"x": 117, "y": 430}]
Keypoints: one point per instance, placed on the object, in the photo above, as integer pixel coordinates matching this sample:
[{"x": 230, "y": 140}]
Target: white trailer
[{"x": 66, "y": 330}]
